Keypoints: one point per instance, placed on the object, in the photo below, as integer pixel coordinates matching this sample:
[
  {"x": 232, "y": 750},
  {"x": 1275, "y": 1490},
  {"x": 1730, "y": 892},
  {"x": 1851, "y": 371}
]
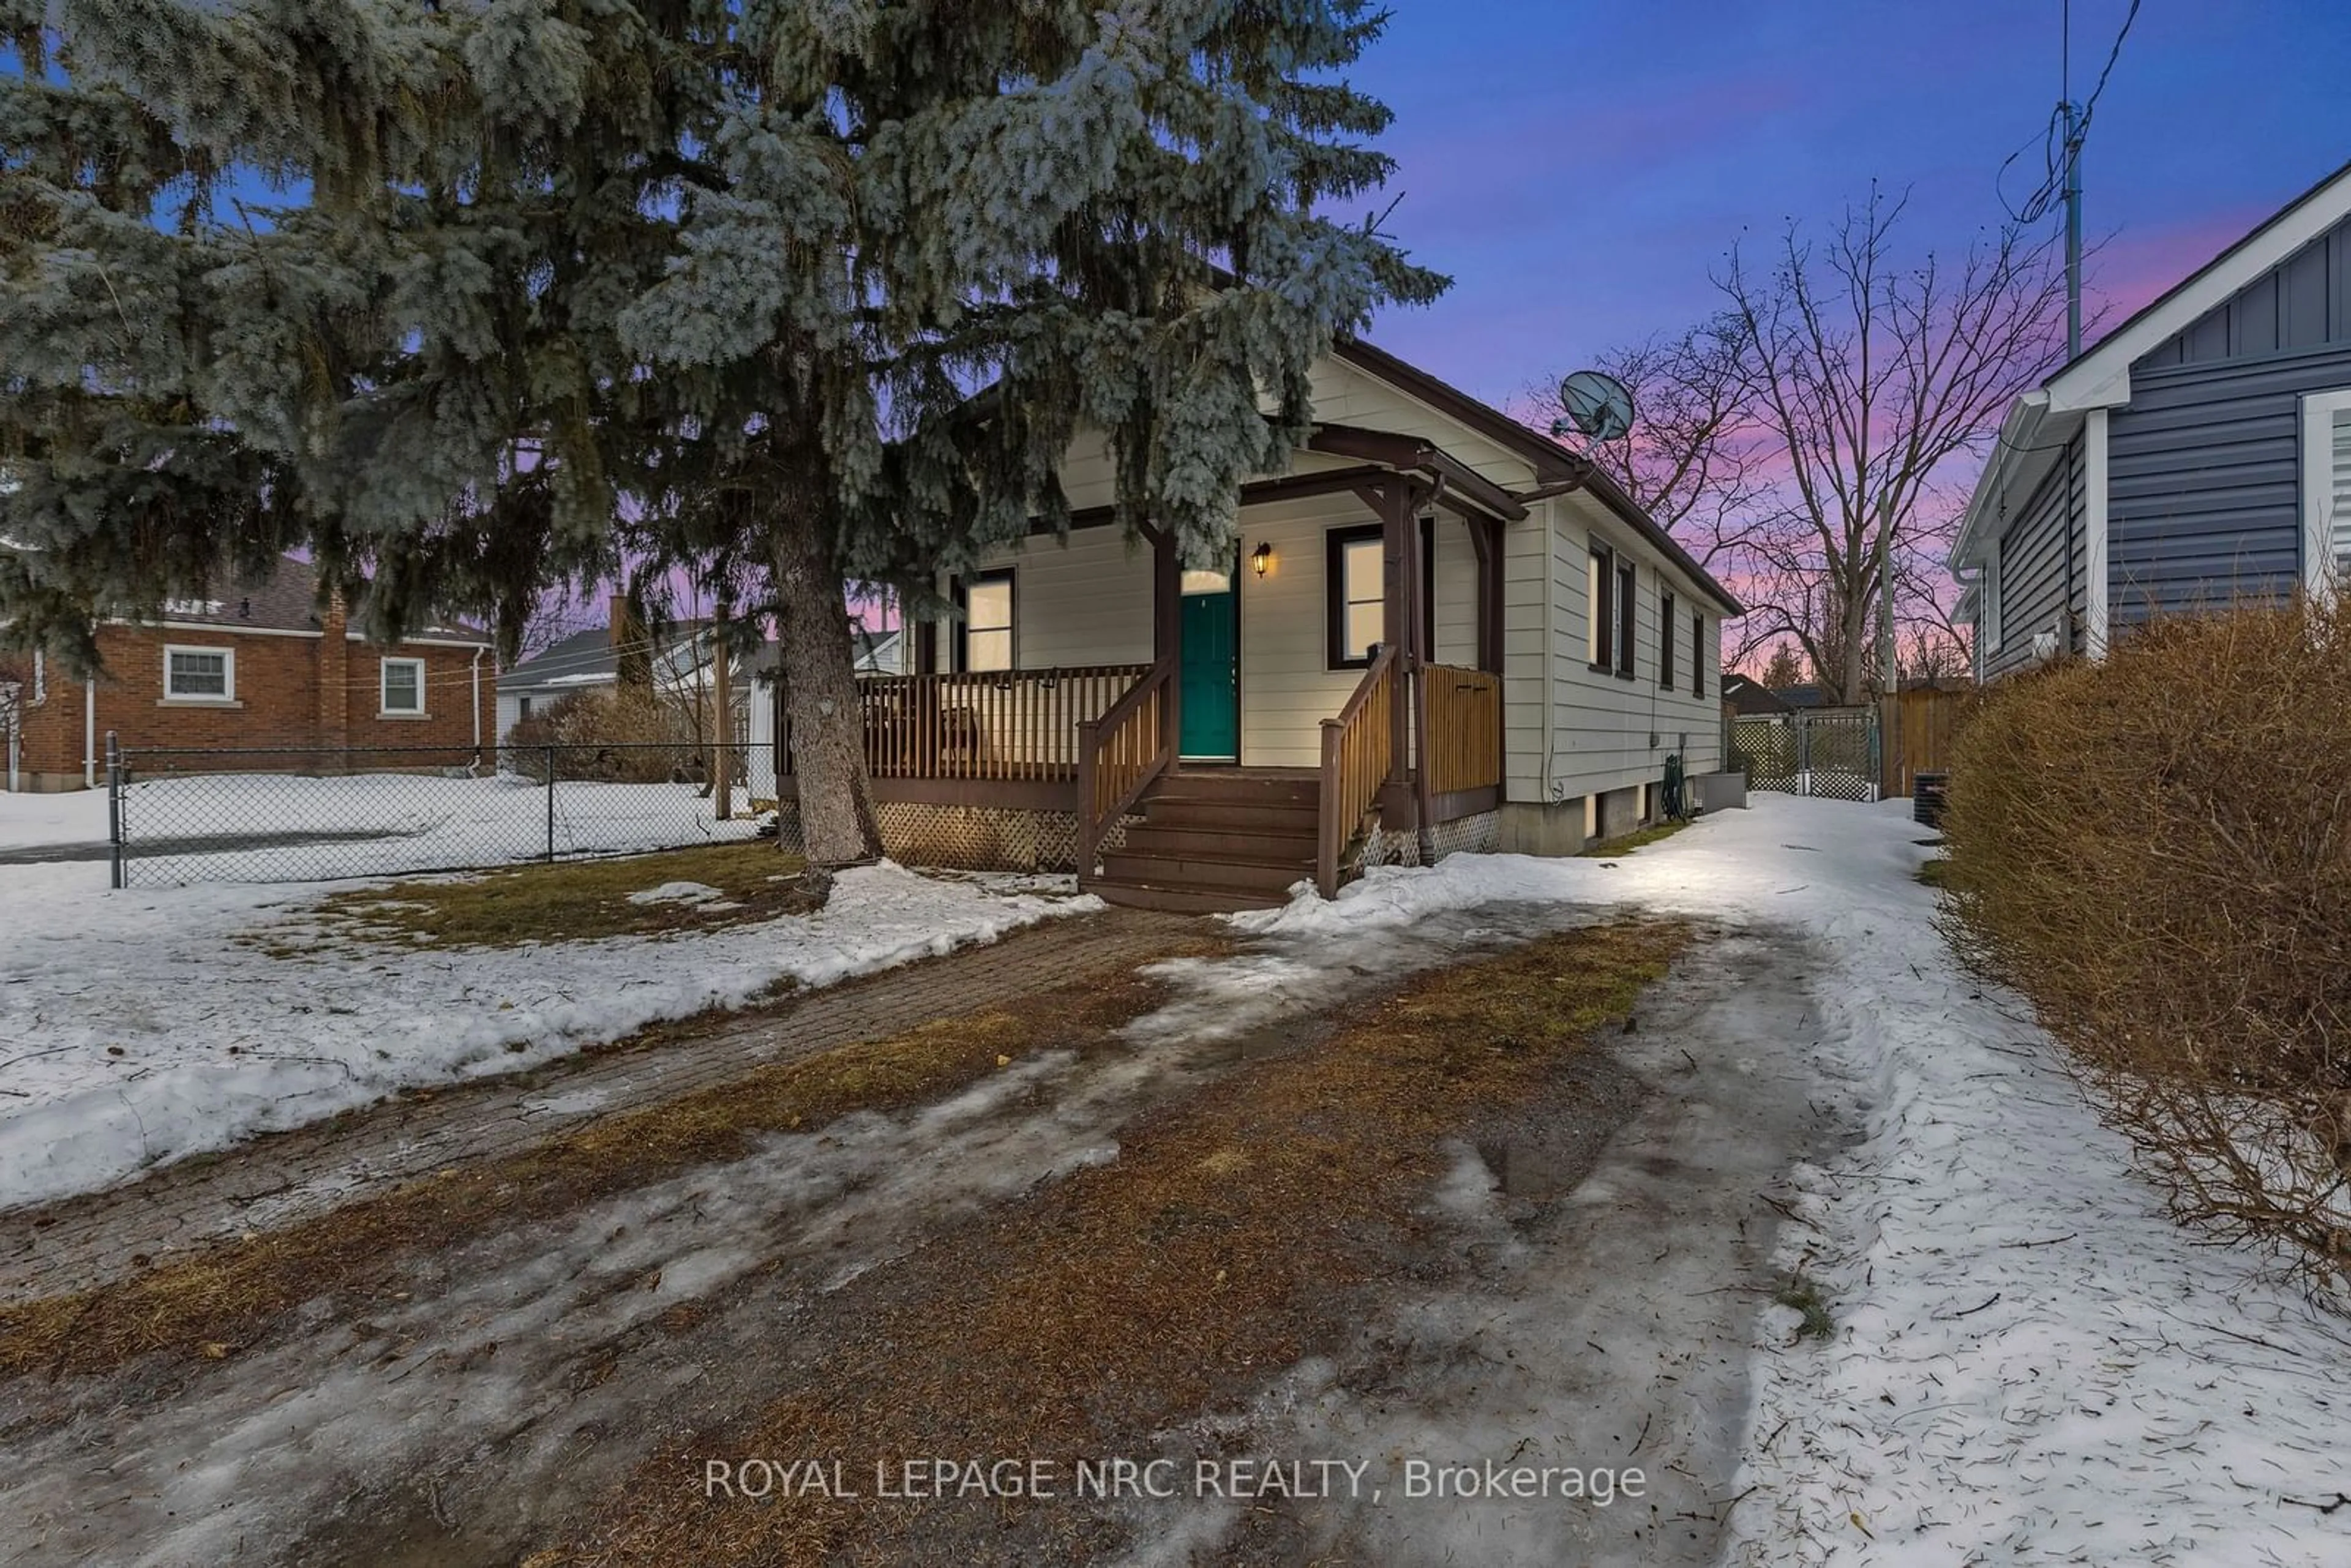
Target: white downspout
[
  {"x": 477, "y": 705},
  {"x": 89, "y": 733}
]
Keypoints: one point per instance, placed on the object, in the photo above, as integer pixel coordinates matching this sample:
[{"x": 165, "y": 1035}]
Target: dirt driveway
[{"x": 1573, "y": 1288}]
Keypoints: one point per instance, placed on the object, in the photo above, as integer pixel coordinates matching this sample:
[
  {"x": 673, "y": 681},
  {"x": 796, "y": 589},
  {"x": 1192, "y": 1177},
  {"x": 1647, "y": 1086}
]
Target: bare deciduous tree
[
  {"x": 1692, "y": 458},
  {"x": 1866, "y": 377}
]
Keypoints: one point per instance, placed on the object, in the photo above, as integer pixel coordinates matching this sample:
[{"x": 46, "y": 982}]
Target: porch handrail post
[
  {"x": 1089, "y": 830},
  {"x": 1328, "y": 833}
]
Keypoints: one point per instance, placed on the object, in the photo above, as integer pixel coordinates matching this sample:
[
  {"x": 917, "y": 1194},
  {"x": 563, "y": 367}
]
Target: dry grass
[
  {"x": 2156, "y": 850},
  {"x": 1624, "y": 844},
  {"x": 211, "y": 1305},
  {"x": 1217, "y": 1248},
  {"x": 567, "y": 901}
]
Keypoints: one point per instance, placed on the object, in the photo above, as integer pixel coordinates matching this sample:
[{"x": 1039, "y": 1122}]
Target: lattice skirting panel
[
  {"x": 973, "y": 837},
  {"x": 1478, "y": 834}
]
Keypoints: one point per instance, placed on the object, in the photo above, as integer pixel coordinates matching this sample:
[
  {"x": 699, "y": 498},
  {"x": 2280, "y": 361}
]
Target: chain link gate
[{"x": 1833, "y": 755}]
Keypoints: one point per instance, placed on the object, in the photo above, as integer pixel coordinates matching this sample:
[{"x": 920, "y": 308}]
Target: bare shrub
[
  {"x": 2153, "y": 850},
  {"x": 624, "y": 735}
]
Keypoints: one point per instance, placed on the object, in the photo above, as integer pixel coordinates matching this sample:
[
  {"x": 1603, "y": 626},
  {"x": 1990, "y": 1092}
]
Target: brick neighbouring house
[{"x": 260, "y": 666}]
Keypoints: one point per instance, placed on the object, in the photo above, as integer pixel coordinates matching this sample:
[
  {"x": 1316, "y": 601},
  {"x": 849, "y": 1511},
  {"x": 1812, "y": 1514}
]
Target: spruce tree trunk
[{"x": 827, "y": 726}]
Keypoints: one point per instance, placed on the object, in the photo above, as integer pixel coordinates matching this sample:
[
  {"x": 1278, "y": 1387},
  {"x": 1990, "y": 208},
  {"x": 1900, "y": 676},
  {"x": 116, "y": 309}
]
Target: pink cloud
[{"x": 2141, "y": 263}]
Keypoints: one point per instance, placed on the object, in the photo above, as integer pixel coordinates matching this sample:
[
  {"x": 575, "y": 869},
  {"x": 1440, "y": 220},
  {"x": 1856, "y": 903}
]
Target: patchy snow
[
  {"x": 136, "y": 1028},
  {"x": 2030, "y": 1364},
  {"x": 676, "y": 892},
  {"x": 35, "y": 821}
]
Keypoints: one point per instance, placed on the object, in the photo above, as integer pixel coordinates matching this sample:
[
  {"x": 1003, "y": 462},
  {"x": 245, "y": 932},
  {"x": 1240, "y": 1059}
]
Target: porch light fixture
[{"x": 1262, "y": 557}]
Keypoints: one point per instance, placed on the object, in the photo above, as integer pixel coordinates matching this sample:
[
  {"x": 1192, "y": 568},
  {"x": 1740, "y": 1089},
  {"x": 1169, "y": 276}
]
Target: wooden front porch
[{"x": 1415, "y": 744}]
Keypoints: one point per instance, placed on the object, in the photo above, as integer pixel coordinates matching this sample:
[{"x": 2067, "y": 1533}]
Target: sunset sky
[{"x": 1580, "y": 167}]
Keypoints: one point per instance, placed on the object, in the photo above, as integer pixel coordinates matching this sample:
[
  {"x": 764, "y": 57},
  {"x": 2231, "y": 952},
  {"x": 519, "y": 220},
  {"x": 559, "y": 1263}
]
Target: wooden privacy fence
[
  {"x": 1915, "y": 728},
  {"x": 1013, "y": 724},
  {"x": 1464, "y": 746}
]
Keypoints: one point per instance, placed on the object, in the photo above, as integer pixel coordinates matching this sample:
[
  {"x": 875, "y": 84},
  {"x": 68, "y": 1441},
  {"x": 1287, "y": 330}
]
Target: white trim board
[
  {"x": 2096, "y": 609},
  {"x": 2101, "y": 378},
  {"x": 2322, "y": 482}
]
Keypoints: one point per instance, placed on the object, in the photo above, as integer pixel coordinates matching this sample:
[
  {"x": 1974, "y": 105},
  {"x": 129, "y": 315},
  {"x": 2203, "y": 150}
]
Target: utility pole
[
  {"x": 1889, "y": 678},
  {"x": 2072, "y": 229}
]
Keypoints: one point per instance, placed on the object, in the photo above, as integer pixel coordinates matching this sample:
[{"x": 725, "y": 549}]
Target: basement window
[
  {"x": 403, "y": 688},
  {"x": 199, "y": 674}
]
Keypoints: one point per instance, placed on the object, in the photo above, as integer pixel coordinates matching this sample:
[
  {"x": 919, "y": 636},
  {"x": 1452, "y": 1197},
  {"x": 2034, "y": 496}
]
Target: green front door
[{"x": 1211, "y": 667}]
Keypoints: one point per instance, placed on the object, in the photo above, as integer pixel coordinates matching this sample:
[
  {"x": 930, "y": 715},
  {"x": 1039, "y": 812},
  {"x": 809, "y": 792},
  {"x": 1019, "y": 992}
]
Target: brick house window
[
  {"x": 199, "y": 674},
  {"x": 403, "y": 686}
]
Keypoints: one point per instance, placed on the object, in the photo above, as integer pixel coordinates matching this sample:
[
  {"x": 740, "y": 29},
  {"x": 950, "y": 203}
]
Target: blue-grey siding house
[{"x": 2199, "y": 456}]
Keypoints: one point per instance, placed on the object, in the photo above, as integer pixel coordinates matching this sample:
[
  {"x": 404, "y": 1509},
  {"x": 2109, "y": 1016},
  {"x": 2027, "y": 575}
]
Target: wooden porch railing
[
  {"x": 1008, "y": 725},
  {"x": 1462, "y": 747},
  {"x": 1119, "y": 755},
  {"x": 1358, "y": 752}
]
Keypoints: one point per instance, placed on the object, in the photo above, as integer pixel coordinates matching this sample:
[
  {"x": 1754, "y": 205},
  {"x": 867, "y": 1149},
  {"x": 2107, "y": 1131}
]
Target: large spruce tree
[{"x": 463, "y": 298}]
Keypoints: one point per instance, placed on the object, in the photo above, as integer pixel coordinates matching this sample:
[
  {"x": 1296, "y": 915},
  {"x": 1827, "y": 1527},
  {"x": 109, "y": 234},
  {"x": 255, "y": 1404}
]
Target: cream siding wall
[
  {"x": 1287, "y": 686},
  {"x": 1601, "y": 722},
  {"x": 1345, "y": 395}
]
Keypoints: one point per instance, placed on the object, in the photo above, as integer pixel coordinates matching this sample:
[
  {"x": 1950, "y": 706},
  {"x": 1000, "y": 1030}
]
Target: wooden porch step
[
  {"x": 1179, "y": 900},
  {"x": 1242, "y": 787},
  {"x": 1250, "y": 840},
  {"x": 1216, "y": 841},
  {"x": 1221, "y": 874},
  {"x": 1283, "y": 819}
]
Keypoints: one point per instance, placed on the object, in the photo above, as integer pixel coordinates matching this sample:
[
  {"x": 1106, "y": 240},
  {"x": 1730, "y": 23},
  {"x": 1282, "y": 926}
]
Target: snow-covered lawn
[
  {"x": 2030, "y": 1364},
  {"x": 70, "y": 817},
  {"x": 134, "y": 1029},
  {"x": 427, "y": 822}
]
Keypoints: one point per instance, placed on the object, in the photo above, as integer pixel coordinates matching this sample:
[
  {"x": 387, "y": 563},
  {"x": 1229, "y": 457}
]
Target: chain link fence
[
  {"x": 282, "y": 815},
  {"x": 1832, "y": 755}
]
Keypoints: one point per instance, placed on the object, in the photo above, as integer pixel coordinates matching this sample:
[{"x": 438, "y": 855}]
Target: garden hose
[{"x": 1674, "y": 785}]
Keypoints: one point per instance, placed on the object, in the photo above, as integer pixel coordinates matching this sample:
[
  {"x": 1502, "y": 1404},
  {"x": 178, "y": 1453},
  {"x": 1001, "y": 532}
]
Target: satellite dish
[{"x": 1597, "y": 405}]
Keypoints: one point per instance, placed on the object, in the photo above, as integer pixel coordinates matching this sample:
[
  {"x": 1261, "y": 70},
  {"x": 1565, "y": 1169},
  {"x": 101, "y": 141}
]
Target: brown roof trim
[
  {"x": 1411, "y": 454},
  {"x": 1550, "y": 460},
  {"x": 1557, "y": 470},
  {"x": 1612, "y": 496}
]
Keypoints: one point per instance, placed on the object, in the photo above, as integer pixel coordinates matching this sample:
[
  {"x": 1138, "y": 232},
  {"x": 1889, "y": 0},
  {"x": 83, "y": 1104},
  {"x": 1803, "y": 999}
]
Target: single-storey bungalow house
[
  {"x": 259, "y": 667},
  {"x": 673, "y": 661},
  {"x": 1752, "y": 700},
  {"x": 2198, "y": 456},
  {"x": 1439, "y": 630}
]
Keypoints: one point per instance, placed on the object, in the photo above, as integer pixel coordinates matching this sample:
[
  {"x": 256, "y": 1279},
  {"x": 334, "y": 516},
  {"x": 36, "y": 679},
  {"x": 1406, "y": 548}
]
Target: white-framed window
[
  {"x": 401, "y": 685},
  {"x": 2327, "y": 489},
  {"x": 1987, "y": 604},
  {"x": 986, "y": 642},
  {"x": 199, "y": 674},
  {"x": 1666, "y": 639}
]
